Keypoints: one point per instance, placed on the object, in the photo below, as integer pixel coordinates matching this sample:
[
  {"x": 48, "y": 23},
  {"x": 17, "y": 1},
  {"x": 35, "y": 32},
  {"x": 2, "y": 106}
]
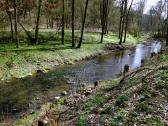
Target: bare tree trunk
[
  {"x": 121, "y": 18},
  {"x": 159, "y": 26},
  {"x": 47, "y": 22},
  {"x": 83, "y": 24},
  {"x": 102, "y": 15},
  {"x": 126, "y": 22},
  {"x": 123, "y": 23},
  {"x": 63, "y": 21},
  {"x": 37, "y": 23},
  {"x": 167, "y": 27},
  {"x": 25, "y": 12},
  {"x": 73, "y": 28},
  {"x": 51, "y": 22},
  {"x": 16, "y": 23},
  {"x": 151, "y": 23},
  {"x": 104, "y": 8},
  {"x": 11, "y": 25},
  {"x": 167, "y": 35},
  {"x": 27, "y": 32},
  {"x": 10, "y": 18}
]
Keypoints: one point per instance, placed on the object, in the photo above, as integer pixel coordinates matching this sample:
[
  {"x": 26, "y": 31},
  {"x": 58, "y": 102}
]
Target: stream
[{"x": 28, "y": 94}]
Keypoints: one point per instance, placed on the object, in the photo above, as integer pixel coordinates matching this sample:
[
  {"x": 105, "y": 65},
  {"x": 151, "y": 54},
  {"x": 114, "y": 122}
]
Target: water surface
[{"x": 27, "y": 94}]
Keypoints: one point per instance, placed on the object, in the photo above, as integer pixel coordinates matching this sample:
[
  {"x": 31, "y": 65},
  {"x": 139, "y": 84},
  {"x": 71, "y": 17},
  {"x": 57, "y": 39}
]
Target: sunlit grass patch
[{"x": 81, "y": 120}]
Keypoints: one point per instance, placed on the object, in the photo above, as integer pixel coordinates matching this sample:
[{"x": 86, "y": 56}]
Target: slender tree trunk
[
  {"x": 27, "y": 32},
  {"x": 10, "y": 18},
  {"x": 126, "y": 22},
  {"x": 125, "y": 31},
  {"x": 83, "y": 24},
  {"x": 167, "y": 35},
  {"x": 102, "y": 15},
  {"x": 167, "y": 27},
  {"x": 63, "y": 21},
  {"x": 47, "y": 22},
  {"x": 37, "y": 23},
  {"x": 73, "y": 28},
  {"x": 121, "y": 19},
  {"x": 104, "y": 9},
  {"x": 102, "y": 34},
  {"x": 159, "y": 26},
  {"x": 51, "y": 22},
  {"x": 16, "y": 23},
  {"x": 151, "y": 24},
  {"x": 11, "y": 23},
  {"x": 123, "y": 23},
  {"x": 25, "y": 13}
]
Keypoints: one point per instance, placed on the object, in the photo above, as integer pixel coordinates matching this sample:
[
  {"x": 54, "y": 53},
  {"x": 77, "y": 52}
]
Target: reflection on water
[{"x": 29, "y": 93}]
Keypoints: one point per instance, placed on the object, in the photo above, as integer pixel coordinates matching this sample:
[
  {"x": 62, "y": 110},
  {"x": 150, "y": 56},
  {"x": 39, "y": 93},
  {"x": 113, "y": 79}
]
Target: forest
[{"x": 83, "y": 62}]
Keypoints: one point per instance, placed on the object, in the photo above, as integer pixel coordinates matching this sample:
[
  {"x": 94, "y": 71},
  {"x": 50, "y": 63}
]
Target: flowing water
[{"x": 28, "y": 94}]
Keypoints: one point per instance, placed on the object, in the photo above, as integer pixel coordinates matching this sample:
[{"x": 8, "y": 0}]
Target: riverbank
[
  {"x": 138, "y": 98},
  {"x": 27, "y": 60}
]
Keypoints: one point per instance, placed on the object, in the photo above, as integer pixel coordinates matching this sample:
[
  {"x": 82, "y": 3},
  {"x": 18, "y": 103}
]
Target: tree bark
[
  {"x": 123, "y": 23},
  {"x": 151, "y": 23},
  {"x": 167, "y": 35},
  {"x": 11, "y": 24},
  {"x": 31, "y": 39},
  {"x": 83, "y": 24},
  {"x": 126, "y": 22},
  {"x": 121, "y": 19},
  {"x": 167, "y": 27},
  {"x": 106, "y": 12},
  {"x": 63, "y": 21},
  {"x": 10, "y": 18},
  {"x": 104, "y": 17},
  {"x": 37, "y": 23},
  {"x": 16, "y": 23},
  {"x": 73, "y": 28}
]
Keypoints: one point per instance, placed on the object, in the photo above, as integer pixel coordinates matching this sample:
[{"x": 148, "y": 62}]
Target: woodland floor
[{"x": 139, "y": 98}]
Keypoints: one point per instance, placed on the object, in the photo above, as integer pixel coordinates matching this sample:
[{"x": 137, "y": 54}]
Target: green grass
[
  {"x": 154, "y": 121},
  {"x": 81, "y": 121},
  {"x": 49, "y": 53},
  {"x": 144, "y": 108},
  {"x": 121, "y": 100}
]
